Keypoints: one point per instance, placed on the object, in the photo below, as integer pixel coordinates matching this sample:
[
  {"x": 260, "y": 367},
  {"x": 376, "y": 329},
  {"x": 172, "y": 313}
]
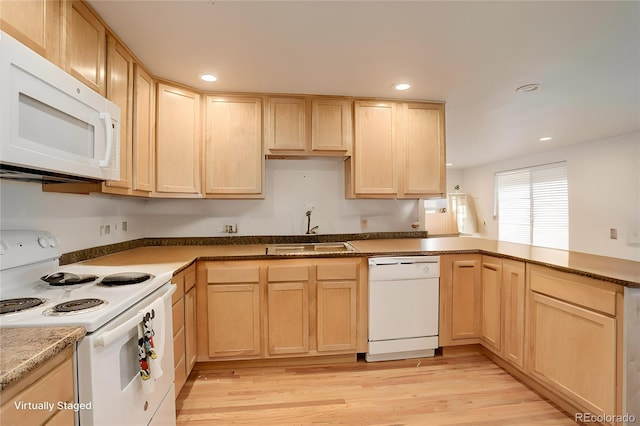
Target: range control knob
[{"x": 43, "y": 241}]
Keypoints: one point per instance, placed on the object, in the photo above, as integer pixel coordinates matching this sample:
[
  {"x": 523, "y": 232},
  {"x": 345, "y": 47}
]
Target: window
[{"x": 532, "y": 205}]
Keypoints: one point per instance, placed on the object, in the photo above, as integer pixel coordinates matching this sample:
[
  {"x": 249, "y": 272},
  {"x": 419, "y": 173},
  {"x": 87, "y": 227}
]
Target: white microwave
[{"x": 51, "y": 122}]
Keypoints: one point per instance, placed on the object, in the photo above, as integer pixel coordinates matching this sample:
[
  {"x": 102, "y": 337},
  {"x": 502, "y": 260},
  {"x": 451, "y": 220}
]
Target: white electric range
[{"x": 110, "y": 303}]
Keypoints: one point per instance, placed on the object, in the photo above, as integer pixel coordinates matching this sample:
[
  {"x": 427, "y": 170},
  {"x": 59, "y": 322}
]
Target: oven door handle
[{"x": 113, "y": 335}]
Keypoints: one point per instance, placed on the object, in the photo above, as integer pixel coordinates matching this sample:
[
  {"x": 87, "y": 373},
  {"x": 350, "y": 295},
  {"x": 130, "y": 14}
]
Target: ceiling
[{"x": 473, "y": 55}]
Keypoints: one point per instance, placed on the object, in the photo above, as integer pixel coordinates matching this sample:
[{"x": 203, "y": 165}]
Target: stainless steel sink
[{"x": 308, "y": 248}]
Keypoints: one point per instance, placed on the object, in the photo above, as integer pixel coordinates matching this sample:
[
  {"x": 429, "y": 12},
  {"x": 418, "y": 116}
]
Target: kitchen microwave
[{"x": 52, "y": 124}]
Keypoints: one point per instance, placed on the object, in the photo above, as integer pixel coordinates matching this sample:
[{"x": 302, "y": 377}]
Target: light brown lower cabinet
[
  {"x": 560, "y": 331},
  {"x": 575, "y": 338},
  {"x": 281, "y": 308},
  {"x": 184, "y": 325},
  {"x": 51, "y": 383},
  {"x": 460, "y": 299}
]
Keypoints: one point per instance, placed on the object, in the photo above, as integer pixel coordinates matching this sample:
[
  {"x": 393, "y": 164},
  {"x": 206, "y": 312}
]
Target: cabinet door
[
  {"x": 233, "y": 146},
  {"x": 120, "y": 92},
  {"x": 573, "y": 350},
  {"x": 336, "y": 305},
  {"x": 190, "y": 329},
  {"x": 286, "y": 124},
  {"x": 288, "y": 317},
  {"x": 513, "y": 301},
  {"x": 492, "y": 302},
  {"x": 34, "y": 23},
  {"x": 84, "y": 45},
  {"x": 178, "y": 141},
  {"x": 179, "y": 360},
  {"x": 233, "y": 319},
  {"x": 465, "y": 299},
  {"x": 374, "y": 151},
  {"x": 143, "y": 130},
  {"x": 331, "y": 125},
  {"x": 423, "y": 150}
]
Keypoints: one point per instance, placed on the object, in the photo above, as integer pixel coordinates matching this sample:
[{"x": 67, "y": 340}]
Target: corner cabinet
[
  {"x": 399, "y": 150},
  {"x": 281, "y": 308},
  {"x": 178, "y": 141},
  {"x": 233, "y": 159}
]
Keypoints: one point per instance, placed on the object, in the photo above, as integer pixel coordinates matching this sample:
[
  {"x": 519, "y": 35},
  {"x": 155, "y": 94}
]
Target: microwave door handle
[
  {"x": 113, "y": 335},
  {"x": 107, "y": 123}
]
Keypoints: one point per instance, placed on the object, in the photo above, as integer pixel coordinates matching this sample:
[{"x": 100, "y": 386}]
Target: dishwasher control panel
[{"x": 404, "y": 267}]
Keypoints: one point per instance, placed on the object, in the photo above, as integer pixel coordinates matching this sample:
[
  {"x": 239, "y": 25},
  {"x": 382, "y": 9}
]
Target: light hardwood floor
[{"x": 446, "y": 390}]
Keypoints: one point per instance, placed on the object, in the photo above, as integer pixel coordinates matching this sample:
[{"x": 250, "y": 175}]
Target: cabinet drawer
[
  {"x": 337, "y": 271},
  {"x": 288, "y": 273},
  {"x": 226, "y": 275},
  {"x": 587, "y": 292}
]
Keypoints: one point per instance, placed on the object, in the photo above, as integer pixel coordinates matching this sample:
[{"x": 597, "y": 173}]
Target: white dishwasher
[{"x": 403, "y": 307}]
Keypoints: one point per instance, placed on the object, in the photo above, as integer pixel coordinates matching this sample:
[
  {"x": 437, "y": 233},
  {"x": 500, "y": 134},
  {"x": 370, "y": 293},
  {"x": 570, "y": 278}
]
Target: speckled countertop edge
[{"x": 23, "y": 350}]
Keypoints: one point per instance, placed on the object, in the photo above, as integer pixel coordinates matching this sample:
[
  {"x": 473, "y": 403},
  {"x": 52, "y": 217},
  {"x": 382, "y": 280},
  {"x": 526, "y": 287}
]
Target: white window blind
[{"x": 532, "y": 205}]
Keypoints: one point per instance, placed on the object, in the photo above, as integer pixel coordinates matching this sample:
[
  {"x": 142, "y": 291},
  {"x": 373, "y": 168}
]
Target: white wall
[
  {"x": 604, "y": 193},
  {"x": 76, "y": 219},
  {"x": 290, "y": 184}
]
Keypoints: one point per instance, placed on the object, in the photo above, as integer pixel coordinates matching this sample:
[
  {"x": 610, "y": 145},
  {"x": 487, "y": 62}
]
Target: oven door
[{"x": 110, "y": 388}]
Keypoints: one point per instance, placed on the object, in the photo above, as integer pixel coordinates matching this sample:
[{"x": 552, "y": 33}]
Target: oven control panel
[{"x": 20, "y": 248}]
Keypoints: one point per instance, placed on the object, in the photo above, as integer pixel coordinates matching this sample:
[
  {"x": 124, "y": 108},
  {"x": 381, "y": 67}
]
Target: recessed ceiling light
[
  {"x": 528, "y": 88},
  {"x": 546, "y": 138},
  {"x": 402, "y": 86},
  {"x": 208, "y": 78}
]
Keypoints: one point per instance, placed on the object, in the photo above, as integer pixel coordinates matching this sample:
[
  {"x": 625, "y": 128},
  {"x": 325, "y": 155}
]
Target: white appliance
[
  {"x": 403, "y": 307},
  {"x": 52, "y": 123},
  {"x": 108, "y": 375}
]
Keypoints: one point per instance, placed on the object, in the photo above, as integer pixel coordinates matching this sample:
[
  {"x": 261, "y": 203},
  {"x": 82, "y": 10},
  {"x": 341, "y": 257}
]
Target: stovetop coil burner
[
  {"x": 8, "y": 306},
  {"x": 125, "y": 278},
  {"x": 67, "y": 278},
  {"x": 77, "y": 306}
]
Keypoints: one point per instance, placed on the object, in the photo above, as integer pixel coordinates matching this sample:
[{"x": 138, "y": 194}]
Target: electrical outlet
[
  {"x": 613, "y": 233},
  {"x": 309, "y": 207},
  {"x": 364, "y": 222},
  {"x": 124, "y": 226}
]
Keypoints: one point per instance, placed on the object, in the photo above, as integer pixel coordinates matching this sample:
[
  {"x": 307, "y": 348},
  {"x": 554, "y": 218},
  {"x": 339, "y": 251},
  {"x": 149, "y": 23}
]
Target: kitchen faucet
[{"x": 309, "y": 229}]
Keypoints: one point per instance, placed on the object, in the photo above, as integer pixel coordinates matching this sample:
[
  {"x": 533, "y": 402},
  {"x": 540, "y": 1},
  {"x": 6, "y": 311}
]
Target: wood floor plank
[{"x": 459, "y": 389}]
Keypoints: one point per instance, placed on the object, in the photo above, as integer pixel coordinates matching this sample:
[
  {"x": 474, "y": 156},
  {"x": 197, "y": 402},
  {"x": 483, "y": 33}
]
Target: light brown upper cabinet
[
  {"x": 308, "y": 126},
  {"x": 34, "y": 23},
  {"x": 331, "y": 130},
  {"x": 234, "y": 163},
  {"x": 84, "y": 43},
  {"x": 423, "y": 151},
  {"x": 144, "y": 107},
  {"x": 372, "y": 170},
  {"x": 120, "y": 92},
  {"x": 178, "y": 141},
  {"x": 286, "y": 124},
  {"x": 398, "y": 150}
]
